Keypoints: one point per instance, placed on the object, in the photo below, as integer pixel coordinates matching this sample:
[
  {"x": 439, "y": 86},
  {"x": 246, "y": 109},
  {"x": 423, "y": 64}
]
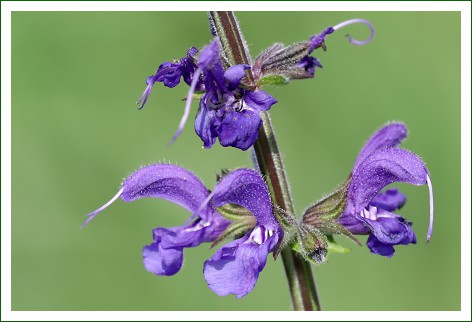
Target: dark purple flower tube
[
  {"x": 165, "y": 181},
  {"x": 227, "y": 111},
  {"x": 368, "y": 210},
  {"x": 234, "y": 268}
]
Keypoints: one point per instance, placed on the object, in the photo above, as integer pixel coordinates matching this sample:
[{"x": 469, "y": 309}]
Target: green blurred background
[{"x": 76, "y": 133}]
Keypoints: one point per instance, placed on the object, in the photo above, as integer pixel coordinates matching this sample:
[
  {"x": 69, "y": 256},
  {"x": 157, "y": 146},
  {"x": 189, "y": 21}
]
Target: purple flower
[
  {"x": 235, "y": 268},
  {"x": 170, "y": 73},
  {"x": 368, "y": 210},
  {"x": 227, "y": 111},
  {"x": 165, "y": 255}
]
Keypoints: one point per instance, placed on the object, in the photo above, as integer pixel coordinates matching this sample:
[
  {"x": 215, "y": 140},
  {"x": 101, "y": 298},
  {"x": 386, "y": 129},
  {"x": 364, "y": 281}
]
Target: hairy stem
[{"x": 269, "y": 161}]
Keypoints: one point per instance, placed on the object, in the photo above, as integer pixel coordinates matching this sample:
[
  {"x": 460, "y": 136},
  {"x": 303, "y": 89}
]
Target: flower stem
[{"x": 269, "y": 162}]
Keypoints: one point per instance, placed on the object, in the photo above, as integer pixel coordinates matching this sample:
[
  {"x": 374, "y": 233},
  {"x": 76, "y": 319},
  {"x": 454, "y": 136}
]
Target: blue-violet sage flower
[
  {"x": 368, "y": 210},
  {"x": 227, "y": 111},
  {"x": 234, "y": 268},
  {"x": 165, "y": 181}
]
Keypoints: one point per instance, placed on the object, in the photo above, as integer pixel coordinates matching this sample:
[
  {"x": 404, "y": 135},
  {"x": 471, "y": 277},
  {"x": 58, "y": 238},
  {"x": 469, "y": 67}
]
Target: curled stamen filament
[
  {"x": 188, "y": 104},
  {"x": 354, "y": 21},
  {"x": 431, "y": 208},
  {"x": 96, "y": 212}
]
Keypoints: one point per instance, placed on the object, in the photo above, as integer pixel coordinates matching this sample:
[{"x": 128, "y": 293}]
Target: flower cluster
[
  {"x": 235, "y": 268},
  {"x": 240, "y": 205},
  {"x": 229, "y": 107},
  {"x": 226, "y": 111}
]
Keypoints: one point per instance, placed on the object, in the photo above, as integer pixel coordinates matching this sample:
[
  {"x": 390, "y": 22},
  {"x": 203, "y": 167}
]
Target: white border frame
[{"x": 6, "y": 10}]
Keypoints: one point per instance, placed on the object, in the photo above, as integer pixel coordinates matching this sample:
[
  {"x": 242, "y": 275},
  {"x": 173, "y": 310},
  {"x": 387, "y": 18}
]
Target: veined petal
[
  {"x": 239, "y": 129},
  {"x": 165, "y": 255},
  {"x": 392, "y": 230},
  {"x": 387, "y": 231},
  {"x": 391, "y": 135},
  {"x": 235, "y": 268},
  {"x": 259, "y": 100},
  {"x": 193, "y": 234},
  {"x": 379, "y": 248},
  {"x": 379, "y": 170},
  {"x": 161, "y": 261},
  {"x": 169, "y": 74},
  {"x": 181, "y": 236},
  {"x": 389, "y": 200},
  {"x": 169, "y": 182}
]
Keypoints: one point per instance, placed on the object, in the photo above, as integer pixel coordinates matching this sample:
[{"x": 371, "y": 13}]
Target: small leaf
[
  {"x": 195, "y": 96},
  {"x": 273, "y": 80},
  {"x": 317, "y": 260},
  {"x": 336, "y": 228},
  {"x": 336, "y": 248}
]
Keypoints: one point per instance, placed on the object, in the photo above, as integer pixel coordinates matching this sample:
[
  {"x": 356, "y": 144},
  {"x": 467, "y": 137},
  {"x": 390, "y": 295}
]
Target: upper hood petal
[
  {"x": 390, "y": 135},
  {"x": 169, "y": 182},
  {"x": 380, "y": 169},
  {"x": 246, "y": 188}
]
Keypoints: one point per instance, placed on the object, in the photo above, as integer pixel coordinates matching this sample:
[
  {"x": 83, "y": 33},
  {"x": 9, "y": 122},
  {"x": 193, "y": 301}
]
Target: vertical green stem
[{"x": 269, "y": 161}]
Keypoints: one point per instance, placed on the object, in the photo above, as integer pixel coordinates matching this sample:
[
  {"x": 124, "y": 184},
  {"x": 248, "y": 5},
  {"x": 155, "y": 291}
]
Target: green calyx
[
  {"x": 242, "y": 220},
  {"x": 319, "y": 223}
]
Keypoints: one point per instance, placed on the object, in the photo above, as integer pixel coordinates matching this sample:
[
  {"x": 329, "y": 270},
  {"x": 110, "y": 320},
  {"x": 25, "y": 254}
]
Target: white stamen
[
  {"x": 259, "y": 235},
  {"x": 370, "y": 213},
  {"x": 353, "y": 21},
  {"x": 188, "y": 104},
  {"x": 96, "y": 212},
  {"x": 256, "y": 236},
  {"x": 201, "y": 224},
  {"x": 373, "y": 212},
  {"x": 431, "y": 208}
]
